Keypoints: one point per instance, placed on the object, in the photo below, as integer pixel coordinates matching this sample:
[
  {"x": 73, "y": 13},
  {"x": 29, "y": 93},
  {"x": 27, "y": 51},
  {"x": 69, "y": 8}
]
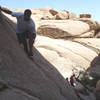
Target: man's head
[{"x": 27, "y": 14}]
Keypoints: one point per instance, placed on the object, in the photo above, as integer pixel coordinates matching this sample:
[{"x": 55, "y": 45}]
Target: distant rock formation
[
  {"x": 68, "y": 28},
  {"x": 85, "y": 15},
  {"x": 53, "y": 12},
  {"x": 48, "y": 13}
]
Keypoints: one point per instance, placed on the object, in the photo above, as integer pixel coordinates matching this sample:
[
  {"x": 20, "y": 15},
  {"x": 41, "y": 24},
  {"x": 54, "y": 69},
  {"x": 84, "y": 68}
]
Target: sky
[{"x": 75, "y": 6}]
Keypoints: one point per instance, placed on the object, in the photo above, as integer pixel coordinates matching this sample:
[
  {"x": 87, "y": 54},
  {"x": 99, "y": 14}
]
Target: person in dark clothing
[{"x": 72, "y": 80}]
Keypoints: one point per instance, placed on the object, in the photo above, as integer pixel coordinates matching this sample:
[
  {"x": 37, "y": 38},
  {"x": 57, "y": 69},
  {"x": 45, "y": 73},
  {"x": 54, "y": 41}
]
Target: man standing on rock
[{"x": 25, "y": 28}]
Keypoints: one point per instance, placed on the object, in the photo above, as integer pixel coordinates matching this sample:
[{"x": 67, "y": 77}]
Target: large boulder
[
  {"x": 26, "y": 79},
  {"x": 72, "y": 15},
  {"x": 69, "y": 28},
  {"x": 85, "y": 15},
  {"x": 62, "y": 15},
  {"x": 65, "y": 55},
  {"x": 53, "y": 12},
  {"x": 93, "y": 44},
  {"x": 62, "y": 28},
  {"x": 92, "y": 23}
]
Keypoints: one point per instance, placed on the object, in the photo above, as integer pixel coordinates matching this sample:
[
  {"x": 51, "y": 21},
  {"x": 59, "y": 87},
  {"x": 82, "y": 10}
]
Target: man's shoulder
[{"x": 17, "y": 14}]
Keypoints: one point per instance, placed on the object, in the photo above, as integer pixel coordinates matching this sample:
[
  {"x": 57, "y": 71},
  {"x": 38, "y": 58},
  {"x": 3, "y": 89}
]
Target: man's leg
[
  {"x": 31, "y": 42},
  {"x": 22, "y": 40},
  {"x": 25, "y": 46}
]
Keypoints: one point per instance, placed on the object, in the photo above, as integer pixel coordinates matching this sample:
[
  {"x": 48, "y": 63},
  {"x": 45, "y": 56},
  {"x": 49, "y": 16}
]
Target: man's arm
[{"x": 6, "y": 10}]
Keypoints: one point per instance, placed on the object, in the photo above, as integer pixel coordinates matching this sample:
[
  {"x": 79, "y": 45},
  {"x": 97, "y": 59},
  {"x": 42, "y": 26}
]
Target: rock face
[
  {"x": 63, "y": 15},
  {"x": 62, "y": 23},
  {"x": 71, "y": 29},
  {"x": 67, "y": 55},
  {"x": 62, "y": 29},
  {"x": 68, "y": 28},
  {"x": 53, "y": 12},
  {"x": 26, "y": 79},
  {"x": 73, "y": 48},
  {"x": 85, "y": 15}
]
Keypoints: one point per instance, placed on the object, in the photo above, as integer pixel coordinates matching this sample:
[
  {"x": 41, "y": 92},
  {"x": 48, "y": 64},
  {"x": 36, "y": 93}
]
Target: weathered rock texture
[
  {"x": 62, "y": 24},
  {"x": 25, "y": 79},
  {"x": 69, "y": 28},
  {"x": 62, "y": 29},
  {"x": 76, "y": 30},
  {"x": 85, "y": 15},
  {"x": 74, "y": 48},
  {"x": 67, "y": 55}
]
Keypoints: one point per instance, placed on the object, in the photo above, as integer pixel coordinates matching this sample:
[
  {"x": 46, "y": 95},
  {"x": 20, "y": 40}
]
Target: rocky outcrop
[
  {"x": 46, "y": 20},
  {"x": 26, "y": 79},
  {"x": 48, "y": 13},
  {"x": 71, "y": 30},
  {"x": 68, "y": 28},
  {"x": 67, "y": 55},
  {"x": 62, "y": 29},
  {"x": 63, "y": 15},
  {"x": 73, "y": 56},
  {"x": 82, "y": 28},
  {"x": 92, "y": 23},
  {"x": 85, "y": 15},
  {"x": 74, "y": 49},
  {"x": 53, "y": 12},
  {"x": 72, "y": 15}
]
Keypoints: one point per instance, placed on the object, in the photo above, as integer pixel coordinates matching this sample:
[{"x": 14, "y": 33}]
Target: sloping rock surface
[
  {"x": 38, "y": 79},
  {"x": 67, "y": 55}
]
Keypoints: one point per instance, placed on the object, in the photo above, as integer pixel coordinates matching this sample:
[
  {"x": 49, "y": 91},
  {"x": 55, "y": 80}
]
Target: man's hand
[{"x": 6, "y": 10}]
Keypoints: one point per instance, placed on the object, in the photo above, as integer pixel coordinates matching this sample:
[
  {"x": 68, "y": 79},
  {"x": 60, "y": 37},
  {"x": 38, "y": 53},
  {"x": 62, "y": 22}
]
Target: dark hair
[{"x": 28, "y": 11}]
